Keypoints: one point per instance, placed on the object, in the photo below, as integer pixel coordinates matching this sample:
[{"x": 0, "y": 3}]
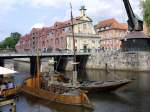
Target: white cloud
[
  {"x": 38, "y": 25},
  {"x": 45, "y": 3},
  {"x": 103, "y": 9},
  {"x": 96, "y": 9}
]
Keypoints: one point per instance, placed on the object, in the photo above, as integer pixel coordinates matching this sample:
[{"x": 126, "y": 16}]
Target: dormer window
[
  {"x": 107, "y": 27},
  {"x": 102, "y": 29}
]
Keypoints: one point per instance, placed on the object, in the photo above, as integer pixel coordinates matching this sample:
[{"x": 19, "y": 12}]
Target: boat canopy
[{"x": 6, "y": 71}]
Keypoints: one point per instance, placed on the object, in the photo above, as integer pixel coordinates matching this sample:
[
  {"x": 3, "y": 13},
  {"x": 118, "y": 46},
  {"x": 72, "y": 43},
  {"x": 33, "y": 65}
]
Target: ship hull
[
  {"x": 76, "y": 100},
  {"x": 104, "y": 87}
]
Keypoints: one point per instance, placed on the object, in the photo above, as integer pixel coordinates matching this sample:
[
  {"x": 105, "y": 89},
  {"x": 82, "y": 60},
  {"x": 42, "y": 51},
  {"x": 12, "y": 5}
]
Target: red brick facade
[
  {"x": 111, "y": 31},
  {"x": 46, "y": 38},
  {"x": 59, "y": 36},
  {"x": 37, "y": 38}
]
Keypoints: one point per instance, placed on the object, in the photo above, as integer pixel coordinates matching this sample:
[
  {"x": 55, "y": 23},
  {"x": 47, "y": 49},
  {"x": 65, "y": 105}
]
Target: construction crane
[{"x": 134, "y": 22}]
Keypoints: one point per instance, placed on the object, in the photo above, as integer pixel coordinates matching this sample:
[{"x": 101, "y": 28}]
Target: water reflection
[
  {"x": 134, "y": 97},
  {"x": 37, "y": 105}
]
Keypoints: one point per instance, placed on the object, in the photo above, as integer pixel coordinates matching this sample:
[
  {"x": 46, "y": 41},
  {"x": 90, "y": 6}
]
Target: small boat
[
  {"x": 96, "y": 86},
  {"x": 7, "y": 87},
  {"x": 103, "y": 86}
]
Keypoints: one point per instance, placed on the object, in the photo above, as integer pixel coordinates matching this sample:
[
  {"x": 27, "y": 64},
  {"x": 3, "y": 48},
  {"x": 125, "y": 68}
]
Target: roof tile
[{"x": 113, "y": 23}]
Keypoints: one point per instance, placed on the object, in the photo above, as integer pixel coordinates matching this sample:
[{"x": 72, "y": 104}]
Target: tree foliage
[
  {"x": 10, "y": 41},
  {"x": 146, "y": 12}
]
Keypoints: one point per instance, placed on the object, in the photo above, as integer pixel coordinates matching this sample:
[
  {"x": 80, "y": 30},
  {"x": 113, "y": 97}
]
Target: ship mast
[
  {"x": 38, "y": 70},
  {"x": 74, "y": 51}
]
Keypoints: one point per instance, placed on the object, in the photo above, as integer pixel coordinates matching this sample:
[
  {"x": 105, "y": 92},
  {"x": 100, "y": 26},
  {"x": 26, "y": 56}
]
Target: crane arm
[{"x": 134, "y": 23}]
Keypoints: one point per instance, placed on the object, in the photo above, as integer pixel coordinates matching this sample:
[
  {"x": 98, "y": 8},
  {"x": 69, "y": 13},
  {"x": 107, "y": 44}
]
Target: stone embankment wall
[
  {"x": 115, "y": 60},
  {"x": 110, "y": 60},
  {"x": 27, "y": 60}
]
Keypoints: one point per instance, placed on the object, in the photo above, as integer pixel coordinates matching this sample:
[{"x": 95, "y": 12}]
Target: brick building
[
  {"x": 111, "y": 31},
  {"x": 37, "y": 38},
  {"x": 59, "y": 36}
]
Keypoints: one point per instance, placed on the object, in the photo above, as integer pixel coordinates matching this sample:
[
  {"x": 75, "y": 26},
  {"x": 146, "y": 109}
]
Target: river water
[{"x": 134, "y": 97}]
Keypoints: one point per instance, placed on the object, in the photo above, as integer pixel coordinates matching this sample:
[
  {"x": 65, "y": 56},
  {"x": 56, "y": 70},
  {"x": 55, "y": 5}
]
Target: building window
[
  {"x": 99, "y": 41},
  {"x": 57, "y": 41},
  {"x": 84, "y": 26},
  {"x": 75, "y": 48},
  {"x": 70, "y": 29},
  {"x": 102, "y": 29},
  {"x": 62, "y": 40},
  {"x": 43, "y": 43},
  {"x": 107, "y": 27},
  {"x": 93, "y": 41},
  {"x": 79, "y": 28},
  {"x": 75, "y": 40}
]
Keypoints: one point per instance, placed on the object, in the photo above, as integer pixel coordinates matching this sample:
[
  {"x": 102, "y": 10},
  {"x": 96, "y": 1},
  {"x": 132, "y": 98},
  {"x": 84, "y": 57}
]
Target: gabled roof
[
  {"x": 76, "y": 20},
  {"x": 112, "y": 23}
]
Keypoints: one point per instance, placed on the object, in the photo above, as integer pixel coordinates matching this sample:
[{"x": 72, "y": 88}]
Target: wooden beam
[{"x": 6, "y": 102}]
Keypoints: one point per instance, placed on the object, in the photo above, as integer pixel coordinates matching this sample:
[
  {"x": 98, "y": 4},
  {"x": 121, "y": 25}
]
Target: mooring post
[
  {"x": 55, "y": 64},
  {"x": 33, "y": 65},
  {"x": 2, "y": 62}
]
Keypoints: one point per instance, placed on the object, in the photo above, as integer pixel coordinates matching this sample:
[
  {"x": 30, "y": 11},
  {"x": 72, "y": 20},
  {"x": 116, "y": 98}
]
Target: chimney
[{"x": 82, "y": 11}]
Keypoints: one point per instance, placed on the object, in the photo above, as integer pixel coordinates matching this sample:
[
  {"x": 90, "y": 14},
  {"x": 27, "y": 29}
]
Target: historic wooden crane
[
  {"x": 136, "y": 40},
  {"x": 134, "y": 23}
]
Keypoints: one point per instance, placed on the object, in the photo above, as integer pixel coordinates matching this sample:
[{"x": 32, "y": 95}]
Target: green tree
[
  {"x": 16, "y": 36},
  {"x": 10, "y": 41},
  {"x": 146, "y": 12},
  {"x": 1, "y": 45}
]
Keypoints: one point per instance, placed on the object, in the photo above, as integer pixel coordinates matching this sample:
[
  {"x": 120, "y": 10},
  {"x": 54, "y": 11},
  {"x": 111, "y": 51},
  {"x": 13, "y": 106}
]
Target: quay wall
[
  {"x": 115, "y": 60},
  {"x": 44, "y": 63},
  {"x": 110, "y": 60},
  {"x": 26, "y": 60}
]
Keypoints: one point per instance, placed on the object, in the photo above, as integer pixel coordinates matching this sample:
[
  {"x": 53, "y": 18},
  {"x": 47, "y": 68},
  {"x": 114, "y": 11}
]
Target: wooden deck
[{"x": 7, "y": 102}]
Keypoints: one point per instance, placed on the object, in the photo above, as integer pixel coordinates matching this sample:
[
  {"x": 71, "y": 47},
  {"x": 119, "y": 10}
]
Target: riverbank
[
  {"x": 26, "y": 60},
  {"x": 124, "y": 61},
  {"x": 110, "y": 60}
]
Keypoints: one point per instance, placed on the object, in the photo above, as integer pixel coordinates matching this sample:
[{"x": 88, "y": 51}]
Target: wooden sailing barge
[
  {"x": 49, "y": 88},
  {"x": 57, "y": 92}
]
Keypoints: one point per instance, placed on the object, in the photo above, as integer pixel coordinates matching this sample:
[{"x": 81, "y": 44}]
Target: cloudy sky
[{"x": 22, "y": 15}]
